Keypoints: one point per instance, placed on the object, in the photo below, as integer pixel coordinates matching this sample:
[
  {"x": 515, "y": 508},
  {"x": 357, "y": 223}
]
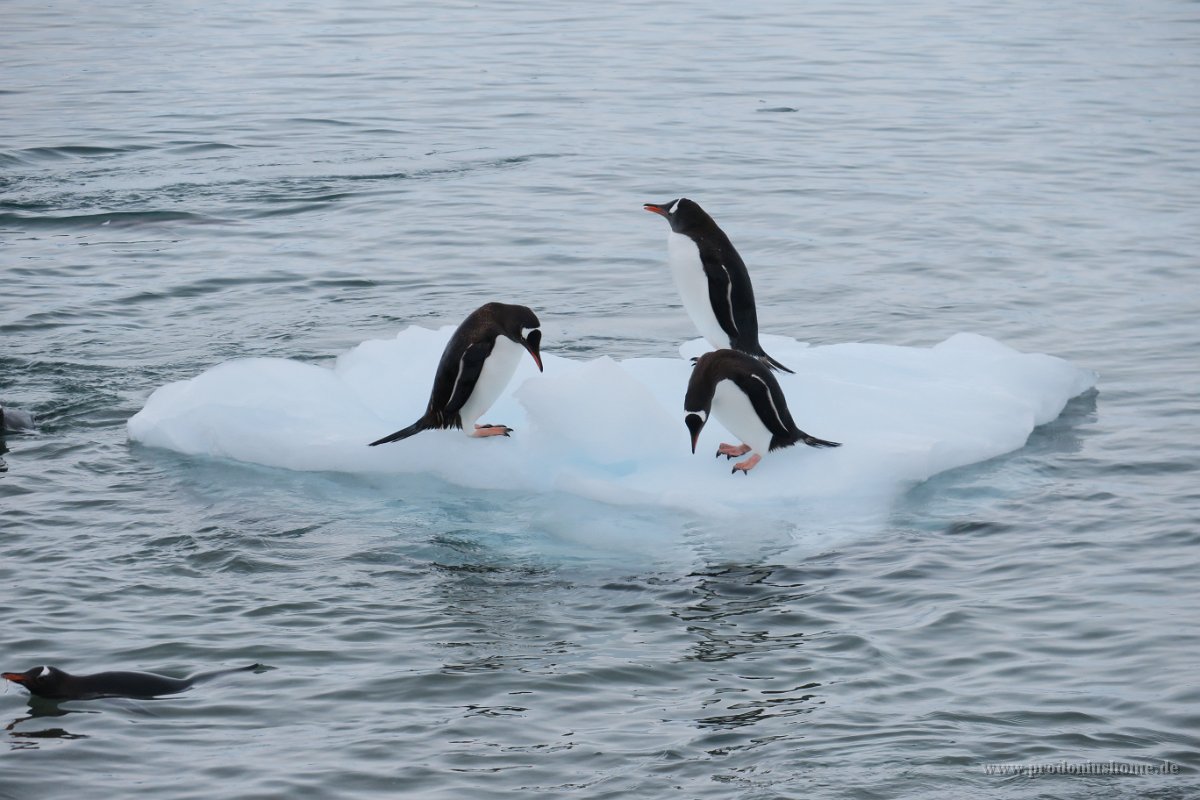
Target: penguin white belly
[
  {"x": 688, "y": 272},
  {"x": 497, "y": 371},
  {"x": 733, "y": 408}
]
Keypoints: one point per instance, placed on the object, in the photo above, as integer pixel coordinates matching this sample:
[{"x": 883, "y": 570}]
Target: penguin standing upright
[
  {"x": 478, "y": 362},
  {"x": 747, "y": 400},
  {"x": 712, "y": 279}
]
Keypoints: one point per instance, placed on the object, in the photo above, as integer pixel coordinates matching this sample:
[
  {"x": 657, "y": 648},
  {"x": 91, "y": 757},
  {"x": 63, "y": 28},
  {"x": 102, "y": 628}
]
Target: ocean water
[{"x": 186, "y": 184}]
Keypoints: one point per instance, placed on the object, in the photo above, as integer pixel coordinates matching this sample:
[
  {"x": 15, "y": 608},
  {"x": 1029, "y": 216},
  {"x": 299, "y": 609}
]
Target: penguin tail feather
[
  {"x": 813, "y": 441},
  {"x": 773, "y": 364},
  {"x": 403, "y": 433}
]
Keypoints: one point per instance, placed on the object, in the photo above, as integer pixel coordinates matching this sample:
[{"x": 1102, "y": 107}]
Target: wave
[{"x": 33, "y": 155}]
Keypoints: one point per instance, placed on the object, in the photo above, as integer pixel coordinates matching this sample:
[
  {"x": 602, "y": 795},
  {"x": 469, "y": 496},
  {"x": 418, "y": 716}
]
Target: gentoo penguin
[
  {"x": 52, "y": 683},
  {"x": 712, "y": 279},
  {"x": 476, "y": 365},
  {"x": 747, "y": 400}
]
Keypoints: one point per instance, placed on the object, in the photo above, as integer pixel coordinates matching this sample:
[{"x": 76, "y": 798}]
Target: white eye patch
[
  {"x": 703, "y": 415},
  {"x": 526, "y": 331},
  {"x": 674, "y": 206},
  {"x": 45, "y": 671}
]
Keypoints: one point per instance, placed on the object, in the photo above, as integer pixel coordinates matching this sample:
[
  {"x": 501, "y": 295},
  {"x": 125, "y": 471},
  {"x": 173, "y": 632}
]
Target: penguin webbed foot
[
  {"x": 489, "y": 429},
  {"x": 745, "y": 466},
  {"x": 731, "y": 451}
]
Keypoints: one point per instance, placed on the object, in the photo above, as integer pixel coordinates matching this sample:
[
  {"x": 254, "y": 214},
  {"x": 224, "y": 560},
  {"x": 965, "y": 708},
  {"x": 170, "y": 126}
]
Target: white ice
[{"x": 613, "y": 430}]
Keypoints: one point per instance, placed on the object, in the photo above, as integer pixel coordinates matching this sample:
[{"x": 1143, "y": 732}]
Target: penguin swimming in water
[
  {"x": 747, "y": 399},
  {"x": 712, "y": 280},
  {"x": 478, "y": 362},
  {"x": 52, "y": 683}
]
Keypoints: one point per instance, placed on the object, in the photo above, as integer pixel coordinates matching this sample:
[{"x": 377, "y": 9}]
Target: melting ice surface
[{"x": 613, "y": 431}]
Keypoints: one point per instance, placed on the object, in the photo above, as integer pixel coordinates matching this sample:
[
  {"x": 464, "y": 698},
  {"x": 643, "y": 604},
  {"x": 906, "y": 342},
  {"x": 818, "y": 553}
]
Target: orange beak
[
  {"x": 533, "y": 343},
  {"x": 15, "y": 677},
  {"x": 655, "y": 209}
]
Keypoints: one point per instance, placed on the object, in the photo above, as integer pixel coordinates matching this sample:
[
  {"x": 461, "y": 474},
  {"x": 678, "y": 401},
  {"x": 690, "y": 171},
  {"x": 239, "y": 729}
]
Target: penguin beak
[
  {"x": 654, "y": 207},
  {"x": 533, "y": 343},
  {"x": 15, "y": 677}
]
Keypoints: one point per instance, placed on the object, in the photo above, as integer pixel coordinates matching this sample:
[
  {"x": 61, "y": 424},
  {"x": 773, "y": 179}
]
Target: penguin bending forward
[
  {"x": 478, "y": 362},
  {"x": 712, "y": 279},
  {"x": 747, "y": 399}
]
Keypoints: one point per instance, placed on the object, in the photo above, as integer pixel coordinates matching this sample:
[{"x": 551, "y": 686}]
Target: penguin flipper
[
  {"x": 768, "y": 401},
  {"x": 720, "y": 293},
  {"x": 470, "y": 367},
  {"x": 729, "y": 290}
]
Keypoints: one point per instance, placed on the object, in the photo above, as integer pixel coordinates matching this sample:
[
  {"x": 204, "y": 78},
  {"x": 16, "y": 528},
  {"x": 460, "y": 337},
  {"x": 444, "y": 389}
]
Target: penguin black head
[
  {"x": 702, "y": 385},
  {"x": 43, "y": 681},
  {"x": 520, "y": 324},
  {"x": 695, "y": 423},
  {"x": 682, "y": 214}
]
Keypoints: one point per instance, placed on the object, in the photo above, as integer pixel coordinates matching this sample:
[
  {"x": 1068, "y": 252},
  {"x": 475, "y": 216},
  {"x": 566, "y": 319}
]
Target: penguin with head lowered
[
  {"x": 478, "y": 362},
  {"x": 712, "y": 279},
  {"x": 746, "y": 398}
]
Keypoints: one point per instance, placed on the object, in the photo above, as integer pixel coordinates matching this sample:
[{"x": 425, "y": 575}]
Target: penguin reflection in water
[
  {"x": 746, "y": 398},
  {"x": 476, "y": 365},
  {"x": 52, "y": 683}
]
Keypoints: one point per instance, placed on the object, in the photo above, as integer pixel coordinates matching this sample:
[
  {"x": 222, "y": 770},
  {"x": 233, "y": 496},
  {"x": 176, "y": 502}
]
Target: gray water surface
[{"x": 183, "y": 184}]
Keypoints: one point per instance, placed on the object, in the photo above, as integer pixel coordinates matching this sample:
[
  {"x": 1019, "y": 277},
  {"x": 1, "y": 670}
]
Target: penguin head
[
  {"x": 521, "y": 325},
  {"x": 42, "y": 681},
  {"x": 695, "y": 423},
  {"x": 682, "y": 214},
  {"x": 533, "y": 343},
  {"x": 702, "y": 386}
]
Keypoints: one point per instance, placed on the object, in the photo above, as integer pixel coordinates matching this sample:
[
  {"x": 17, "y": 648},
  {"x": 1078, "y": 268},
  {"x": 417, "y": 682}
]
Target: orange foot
[
  {"x": 747, "y": 465},
  {"x": 732, "y": 450},
  {"x": 491, "y": 430}
]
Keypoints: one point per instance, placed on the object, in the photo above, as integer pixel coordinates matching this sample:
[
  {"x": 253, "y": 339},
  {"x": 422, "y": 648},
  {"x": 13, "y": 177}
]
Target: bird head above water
[{"x": 43, "y": 681}]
